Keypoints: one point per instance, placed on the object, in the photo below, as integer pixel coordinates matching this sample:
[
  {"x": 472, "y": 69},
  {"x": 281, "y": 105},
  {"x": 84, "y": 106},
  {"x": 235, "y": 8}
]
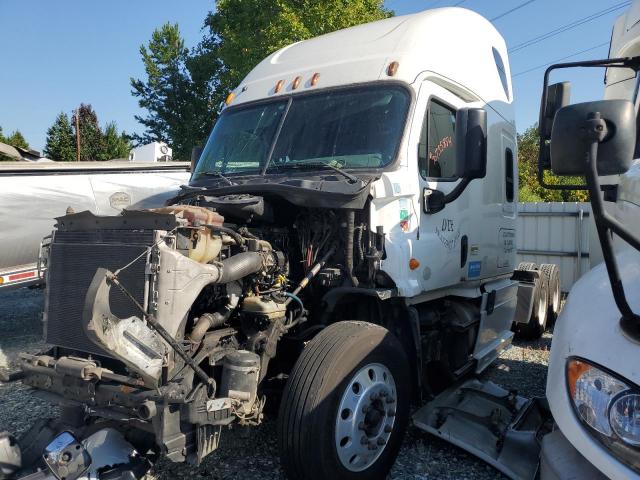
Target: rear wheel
[
  {"x": 346, "y": 405},
  {"x": 552, "y": 273},
  {"x": 538, "y": 320}
]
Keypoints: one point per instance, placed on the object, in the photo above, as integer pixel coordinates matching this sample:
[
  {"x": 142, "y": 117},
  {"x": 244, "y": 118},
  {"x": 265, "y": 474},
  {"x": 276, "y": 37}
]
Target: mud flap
[
  {"x": 129, "y": 340},
  {"x": 496, "y": 425}
]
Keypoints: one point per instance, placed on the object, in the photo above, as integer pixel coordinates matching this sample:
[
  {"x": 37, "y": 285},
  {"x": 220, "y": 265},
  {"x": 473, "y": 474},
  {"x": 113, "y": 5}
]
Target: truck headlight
[
  {"x": 610, "y": 406},
  {"x": 624, "y": 417}
]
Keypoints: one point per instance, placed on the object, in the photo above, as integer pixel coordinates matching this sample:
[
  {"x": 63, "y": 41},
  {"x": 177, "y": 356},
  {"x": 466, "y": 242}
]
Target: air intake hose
[{"x": 240, "y": 265}]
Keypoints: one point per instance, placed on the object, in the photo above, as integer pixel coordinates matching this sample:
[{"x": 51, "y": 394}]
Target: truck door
[
  {"x": 443, "y": 244},
  {"x": 472, "y": 239}
]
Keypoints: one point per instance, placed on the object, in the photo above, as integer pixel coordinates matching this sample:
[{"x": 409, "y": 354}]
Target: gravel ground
[{"x": 422, "y": 457}]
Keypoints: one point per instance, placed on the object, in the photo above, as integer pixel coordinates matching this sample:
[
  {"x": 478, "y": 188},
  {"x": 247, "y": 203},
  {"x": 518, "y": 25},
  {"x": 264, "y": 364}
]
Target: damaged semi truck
[{"x": 345, "y": 246}]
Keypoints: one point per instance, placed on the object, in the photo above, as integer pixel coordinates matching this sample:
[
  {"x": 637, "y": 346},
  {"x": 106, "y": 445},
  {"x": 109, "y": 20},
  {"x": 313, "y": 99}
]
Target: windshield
[{"x": 347, "y": 128}]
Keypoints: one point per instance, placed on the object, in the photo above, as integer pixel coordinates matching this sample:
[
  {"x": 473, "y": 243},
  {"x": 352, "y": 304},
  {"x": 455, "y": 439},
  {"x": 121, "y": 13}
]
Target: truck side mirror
[
  {"x": 569, "y": 143},
  {"x": 195, "y": 155},
  {"x": 558, "y": 96},
  {"x": 471, "y": 143}
]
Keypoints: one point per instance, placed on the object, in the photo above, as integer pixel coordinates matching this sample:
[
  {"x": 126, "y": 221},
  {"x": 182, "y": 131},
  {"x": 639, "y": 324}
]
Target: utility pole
[{"x": 78, "y": 135}]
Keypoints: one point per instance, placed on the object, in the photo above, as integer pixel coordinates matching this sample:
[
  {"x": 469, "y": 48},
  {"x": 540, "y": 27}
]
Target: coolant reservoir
[
  {"x": 263, "y": 307},
  {"x": 204, "y": 246}
]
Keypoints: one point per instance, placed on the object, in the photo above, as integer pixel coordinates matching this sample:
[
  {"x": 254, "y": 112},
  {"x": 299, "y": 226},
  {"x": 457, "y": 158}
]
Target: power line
[
  {"x": 459, "y": 3},
  {"x": 560, "y": 59},
  {"x": 517, "y": 7},
  {"x": 568, "y": 26}
]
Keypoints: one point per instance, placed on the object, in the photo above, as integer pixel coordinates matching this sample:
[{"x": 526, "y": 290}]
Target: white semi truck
[
  {"x": 345, "y": 248},
  {"x": 593, "y": 385}
]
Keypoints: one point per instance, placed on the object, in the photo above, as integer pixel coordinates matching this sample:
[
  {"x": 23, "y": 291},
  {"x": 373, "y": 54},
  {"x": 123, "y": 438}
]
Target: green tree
[
  {"x": 91, "y": 138},
  {"x": 177, "y": 93},
  {"x": 61, "y": 142},
  {"x": 530, "y": 189},
  {"x": 2, "y": 138},
  {"x": 116, "y": 145},
  {"x": 17, "y": 140}
]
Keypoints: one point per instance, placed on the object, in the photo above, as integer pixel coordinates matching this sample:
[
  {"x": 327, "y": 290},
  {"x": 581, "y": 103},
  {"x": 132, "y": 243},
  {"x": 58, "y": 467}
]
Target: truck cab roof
[{"x": 437, "y": 41}]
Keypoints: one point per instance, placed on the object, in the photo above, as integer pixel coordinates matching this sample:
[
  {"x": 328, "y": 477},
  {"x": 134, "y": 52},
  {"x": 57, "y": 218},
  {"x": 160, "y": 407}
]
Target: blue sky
[{"x": 57, "y": 54}]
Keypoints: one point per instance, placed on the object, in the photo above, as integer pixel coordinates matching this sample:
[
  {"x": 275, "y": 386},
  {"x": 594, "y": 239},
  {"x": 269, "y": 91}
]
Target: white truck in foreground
[
  {"x": 593, "y": 385},
  {"x": 345, "y": 248}
]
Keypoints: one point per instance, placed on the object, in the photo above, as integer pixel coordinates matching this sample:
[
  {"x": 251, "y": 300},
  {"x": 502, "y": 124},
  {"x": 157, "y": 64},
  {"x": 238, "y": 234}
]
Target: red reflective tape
[{"x": 22, "y": 276}]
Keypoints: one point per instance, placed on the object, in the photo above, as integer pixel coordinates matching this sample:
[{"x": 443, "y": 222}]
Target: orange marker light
[
  {"x": 279, "y": 85},
  {"x": 296, "y": 82},
  {"x": 575, "y": 369},
  {"x": 392, "y": 68},
  {"x": 230, "y": 98},
  {"x": 413, "y": 264},
  {"x": 314, "y": 79}
]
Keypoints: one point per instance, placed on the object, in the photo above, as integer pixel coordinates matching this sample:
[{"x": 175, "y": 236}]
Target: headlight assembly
[
  {"x": 609, "y": 406},
  {"x": 624, "y": 417}
]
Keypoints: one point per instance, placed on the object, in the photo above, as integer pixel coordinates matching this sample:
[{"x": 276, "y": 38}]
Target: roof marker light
[
  {"x": 230, "y": 98},
  {"x": 296, "y": 82},
  {"x": 279, "y": 86},
  {"x": 392, "y": 68},
  {"x": 314, "y": 79}
]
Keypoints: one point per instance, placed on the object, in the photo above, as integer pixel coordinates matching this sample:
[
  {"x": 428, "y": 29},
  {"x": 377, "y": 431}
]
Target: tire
[
  {"x": 538, "y": 320},
  {"x": 348, "y": 364},
  {"x": 527, "y": 266},
  {"x": 552, "y": 272}
]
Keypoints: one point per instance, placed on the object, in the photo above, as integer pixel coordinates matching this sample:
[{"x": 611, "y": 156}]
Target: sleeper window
[
  {"x": 436, "y": 150},
  {"x": 508, "y": 167}
]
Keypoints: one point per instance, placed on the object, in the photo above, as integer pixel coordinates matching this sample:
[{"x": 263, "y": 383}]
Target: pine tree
[
  {"x": 2, "y": 138},
  {"x": 176, "y": 93},
  {"x": 91, "y": 138},
  {"x": 61, "y": 142},
  {"x": 116, "y": 145},
  {"x": 17, "y": 140}
]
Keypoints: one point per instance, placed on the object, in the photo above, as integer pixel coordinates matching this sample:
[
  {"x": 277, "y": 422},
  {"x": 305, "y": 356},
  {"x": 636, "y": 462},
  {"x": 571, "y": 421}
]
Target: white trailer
[{"x": 32, "y": 195}]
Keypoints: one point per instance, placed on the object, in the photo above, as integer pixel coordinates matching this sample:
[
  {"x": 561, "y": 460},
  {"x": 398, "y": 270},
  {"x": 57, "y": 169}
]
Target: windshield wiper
[
  {"x": 218, "y": 175},
  {"x": 313, "y": 165}
]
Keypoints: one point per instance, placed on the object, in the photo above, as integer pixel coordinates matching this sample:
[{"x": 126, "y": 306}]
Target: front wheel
[{"x": 346, "y": 405}]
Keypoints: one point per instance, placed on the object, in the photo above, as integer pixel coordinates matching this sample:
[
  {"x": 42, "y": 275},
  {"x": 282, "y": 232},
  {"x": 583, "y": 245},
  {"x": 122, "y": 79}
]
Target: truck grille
[{"x": 73, "y": 260}]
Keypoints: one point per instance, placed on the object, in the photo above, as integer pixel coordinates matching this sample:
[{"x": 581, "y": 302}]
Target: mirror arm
[
  {"x": 447, "y": 198},
  {"x": 605, "y": 225},
  {"x": 457, "y": 190}
]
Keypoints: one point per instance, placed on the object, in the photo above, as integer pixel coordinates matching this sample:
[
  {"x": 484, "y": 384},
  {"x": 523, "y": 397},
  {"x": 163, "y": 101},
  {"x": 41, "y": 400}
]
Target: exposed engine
[{"x": 172, "y": 316}]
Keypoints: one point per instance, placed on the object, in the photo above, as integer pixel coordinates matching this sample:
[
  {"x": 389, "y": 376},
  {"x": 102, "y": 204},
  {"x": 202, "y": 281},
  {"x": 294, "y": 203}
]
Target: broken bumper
[{"x": 559, "y": 460}]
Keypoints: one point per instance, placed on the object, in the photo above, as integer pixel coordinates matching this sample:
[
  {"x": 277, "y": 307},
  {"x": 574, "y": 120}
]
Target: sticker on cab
[{"x": 474, "y": 269}]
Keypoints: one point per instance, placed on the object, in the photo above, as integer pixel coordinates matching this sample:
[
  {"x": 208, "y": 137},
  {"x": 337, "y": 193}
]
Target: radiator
[{"x": 73, "y": 260}]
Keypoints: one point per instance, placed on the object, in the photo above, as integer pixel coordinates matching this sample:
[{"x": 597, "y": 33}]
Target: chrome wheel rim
[{"x": 365, "y": 417}]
